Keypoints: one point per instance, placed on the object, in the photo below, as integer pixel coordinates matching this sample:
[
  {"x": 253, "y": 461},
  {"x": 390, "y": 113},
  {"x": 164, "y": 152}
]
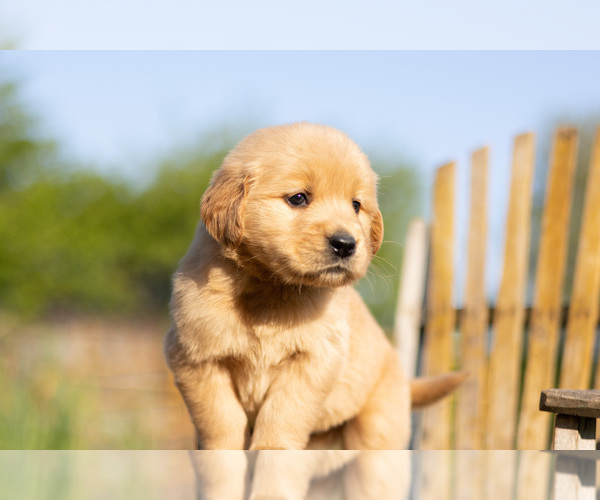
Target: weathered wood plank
[
  {"x": 470, "y": 474},
  {"x": 534, "y": 426},
  {"x": 436, "y": 474},
  {"x": 505, "y": 356},
  {"x": 533, "y": 471},
  {"x": 583, "y": 403},
  {"x": 410, "y": 297},
  {"x": 500, "y": 477},
  {"x": 574, "y": 433},
  {"x": 582, "y": 455},
  {"x": 470, "y": 419},
  {"x": 574, "y": 478},
  {"x": 437, "y": 355},
  {"x": 583, "y": 311}
]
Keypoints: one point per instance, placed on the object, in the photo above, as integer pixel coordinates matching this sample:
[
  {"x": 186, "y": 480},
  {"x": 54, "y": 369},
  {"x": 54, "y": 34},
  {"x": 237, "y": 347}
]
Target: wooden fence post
[
  {"x": 540, "y": 368},
  {"x": 576, "y": 368},
  {"x": 407, "y": 326},
  {"x": 438, "y": 352},
  {"x": 505, "y": 357}
]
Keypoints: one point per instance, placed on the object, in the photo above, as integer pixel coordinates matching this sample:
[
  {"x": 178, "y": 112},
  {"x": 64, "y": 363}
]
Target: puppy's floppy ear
[
  {"x": 376, "y": 232},
  {"x": 222, "y": 207}
]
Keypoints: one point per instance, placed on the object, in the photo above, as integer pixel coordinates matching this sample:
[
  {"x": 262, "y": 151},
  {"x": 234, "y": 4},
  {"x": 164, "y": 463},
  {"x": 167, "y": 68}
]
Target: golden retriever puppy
[{"x": 272, "y": 348}]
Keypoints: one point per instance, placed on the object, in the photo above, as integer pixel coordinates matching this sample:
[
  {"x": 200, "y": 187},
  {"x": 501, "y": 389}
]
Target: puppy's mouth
[{"x": 336, "y": 270}]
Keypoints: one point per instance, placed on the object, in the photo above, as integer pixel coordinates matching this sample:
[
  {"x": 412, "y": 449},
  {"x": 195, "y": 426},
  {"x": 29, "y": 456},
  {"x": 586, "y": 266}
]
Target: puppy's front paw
[
  {"x": 272, "y": 497},
  {"x": 277, "y": 495},
  {"x": 259, "y": 446},
  {"x": 282, "y": 475}
]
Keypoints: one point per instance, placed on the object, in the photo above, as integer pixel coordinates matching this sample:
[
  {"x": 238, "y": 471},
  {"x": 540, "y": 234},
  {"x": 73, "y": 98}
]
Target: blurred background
[{"x": 104, "y": 157}]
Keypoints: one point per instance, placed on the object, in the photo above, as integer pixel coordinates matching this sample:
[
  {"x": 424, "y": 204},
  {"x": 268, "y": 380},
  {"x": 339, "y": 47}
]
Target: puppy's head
[{"x": 298, "y": 204}]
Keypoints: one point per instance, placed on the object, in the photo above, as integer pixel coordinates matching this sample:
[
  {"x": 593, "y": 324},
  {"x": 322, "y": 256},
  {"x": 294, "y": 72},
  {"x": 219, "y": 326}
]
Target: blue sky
[
  {"x": 310, "y": 24},
  {"x": 115, "y": 108},
  {"x": 121, "y": 109}
]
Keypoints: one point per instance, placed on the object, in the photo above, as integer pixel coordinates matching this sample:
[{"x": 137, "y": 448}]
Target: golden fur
[{"x": 271, "y": 347}]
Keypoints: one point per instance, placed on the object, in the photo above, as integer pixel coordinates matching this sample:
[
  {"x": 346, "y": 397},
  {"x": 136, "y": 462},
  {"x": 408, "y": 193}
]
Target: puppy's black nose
[{"x": 343, "y": 245}]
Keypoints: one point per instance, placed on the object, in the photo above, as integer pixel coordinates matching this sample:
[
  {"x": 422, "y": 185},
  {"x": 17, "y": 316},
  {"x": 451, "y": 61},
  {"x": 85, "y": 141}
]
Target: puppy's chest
[
  {"x": 254, "y": 373},
  {"x": 271, "y": 348}
]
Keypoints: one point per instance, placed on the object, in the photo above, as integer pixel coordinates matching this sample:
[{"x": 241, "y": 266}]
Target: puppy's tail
[{"x": 427, "y": 390}]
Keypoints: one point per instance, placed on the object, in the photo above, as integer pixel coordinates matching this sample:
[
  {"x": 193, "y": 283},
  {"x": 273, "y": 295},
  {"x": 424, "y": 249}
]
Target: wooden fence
[{"x": 510, "y": 361}]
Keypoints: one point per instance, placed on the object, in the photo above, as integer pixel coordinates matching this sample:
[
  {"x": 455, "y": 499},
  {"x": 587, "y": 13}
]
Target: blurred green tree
[{"x": 22, "y": 152}]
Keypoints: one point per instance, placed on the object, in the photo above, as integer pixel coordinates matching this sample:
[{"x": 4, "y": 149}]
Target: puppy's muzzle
[{"x": 343, "y": 245}]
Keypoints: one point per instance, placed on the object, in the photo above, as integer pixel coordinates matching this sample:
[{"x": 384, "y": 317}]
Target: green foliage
[
  {"x": 87, "y": 243},
  {"x": 399, "y": 190},
  {"x": 163, "y": 219},
  {"x": 76, "y": 241}
]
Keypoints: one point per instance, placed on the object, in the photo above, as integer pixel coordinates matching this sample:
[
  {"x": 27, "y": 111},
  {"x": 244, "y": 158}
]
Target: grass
[
  {"x": 43, "y": 406},
  {"x": 66, "y": 475},
  {"x": 39, "y": 411}
]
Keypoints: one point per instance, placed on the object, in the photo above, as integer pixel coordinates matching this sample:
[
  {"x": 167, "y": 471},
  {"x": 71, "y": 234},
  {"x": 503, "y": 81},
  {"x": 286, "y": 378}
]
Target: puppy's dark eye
[
  {"x": 298, "y": 200},
  {"x": 356, "y": 206}
]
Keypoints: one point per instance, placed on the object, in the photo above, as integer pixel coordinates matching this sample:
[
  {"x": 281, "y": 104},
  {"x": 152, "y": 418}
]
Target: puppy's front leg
[
  {"x": 221, "y": 475},
  {"x": 293, "y": 404},
  {"x": 213, "y": 405}
]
